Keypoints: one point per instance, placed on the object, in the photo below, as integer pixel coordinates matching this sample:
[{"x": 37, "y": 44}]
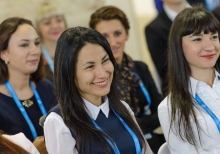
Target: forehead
[
  {"x": 106, "y": 26},
  {"x": 91, "y": 52},
  {"x": 24, "y": 31}
]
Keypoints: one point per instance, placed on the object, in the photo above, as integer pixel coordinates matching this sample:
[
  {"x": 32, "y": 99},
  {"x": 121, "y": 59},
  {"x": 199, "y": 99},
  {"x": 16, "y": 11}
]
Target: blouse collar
[{"x": 93, "y": 110}]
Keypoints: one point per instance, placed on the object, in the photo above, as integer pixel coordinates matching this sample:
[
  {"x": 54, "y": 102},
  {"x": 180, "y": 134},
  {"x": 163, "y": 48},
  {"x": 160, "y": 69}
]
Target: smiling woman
[
  {"x": 90, "y": 117},
  {"x": 189, "y": 115},
  {"x": 24, "y": 95}
]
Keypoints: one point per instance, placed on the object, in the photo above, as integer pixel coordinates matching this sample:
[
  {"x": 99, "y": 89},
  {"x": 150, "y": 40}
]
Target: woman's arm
[{"x": 58, "y": 137}]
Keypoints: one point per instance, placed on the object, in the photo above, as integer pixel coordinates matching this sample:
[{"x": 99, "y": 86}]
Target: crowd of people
[{"x": 90, "y": 96}]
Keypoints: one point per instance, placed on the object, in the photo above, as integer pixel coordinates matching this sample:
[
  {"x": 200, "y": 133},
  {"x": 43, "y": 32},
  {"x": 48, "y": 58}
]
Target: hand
[{"x": 40, "y": 145}]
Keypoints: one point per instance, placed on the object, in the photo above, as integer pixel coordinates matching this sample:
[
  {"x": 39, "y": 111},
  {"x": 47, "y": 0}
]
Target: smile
[
  {"x": 101, "y": 84},
  {"x": 209, "y": 56}
]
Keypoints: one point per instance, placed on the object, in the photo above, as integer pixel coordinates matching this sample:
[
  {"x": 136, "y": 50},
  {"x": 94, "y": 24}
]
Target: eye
[
  {"x": 37, "y": 43},
  {"x": 105, "y": 60},
  {"x": 24, "y": 45},
  {"x": 117, "y": 33},
  {"x": 214, "y": 37},
  {"x": 197, "y": 39},
  {"x": 89, "y": 67}
]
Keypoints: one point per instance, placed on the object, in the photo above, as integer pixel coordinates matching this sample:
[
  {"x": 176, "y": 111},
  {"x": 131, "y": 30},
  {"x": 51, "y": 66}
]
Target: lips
[
  {"x": 34, "y": 61},
  {"x": 101, "y": 84},
  {"x": 210, "y": 56},
  {"x": 56, "y": 33}
]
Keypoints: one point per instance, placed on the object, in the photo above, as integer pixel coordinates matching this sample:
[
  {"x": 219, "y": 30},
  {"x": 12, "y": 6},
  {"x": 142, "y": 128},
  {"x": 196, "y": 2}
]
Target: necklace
[{"x": 27, "y": 103}]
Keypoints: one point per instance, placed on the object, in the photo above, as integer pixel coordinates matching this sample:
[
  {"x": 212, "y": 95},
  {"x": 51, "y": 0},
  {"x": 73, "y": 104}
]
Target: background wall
[{"x": 77, "y": 13}]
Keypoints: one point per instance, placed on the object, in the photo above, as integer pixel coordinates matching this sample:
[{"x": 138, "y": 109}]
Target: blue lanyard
[
  {"x": 48, "y": 58},
  {"x": 21, "y": 108},
  {"x": 146, "y": 94},
  {"x": 113, "y": 145},
  {"x": 206, "y": 108}
]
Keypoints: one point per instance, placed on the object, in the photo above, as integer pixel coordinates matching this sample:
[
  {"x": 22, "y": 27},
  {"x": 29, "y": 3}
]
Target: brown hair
[
  {"x": 7, "y": 28},
  {"x": 8, "y": 147},
  {"x": 109, "y": 13}
]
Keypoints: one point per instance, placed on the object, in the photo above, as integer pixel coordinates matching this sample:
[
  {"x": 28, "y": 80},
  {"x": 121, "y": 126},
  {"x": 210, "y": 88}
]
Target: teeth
[{"x": 101, "y": 83}]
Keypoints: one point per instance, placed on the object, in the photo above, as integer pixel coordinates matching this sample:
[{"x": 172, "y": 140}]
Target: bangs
[{"x": 201, "y": 22}]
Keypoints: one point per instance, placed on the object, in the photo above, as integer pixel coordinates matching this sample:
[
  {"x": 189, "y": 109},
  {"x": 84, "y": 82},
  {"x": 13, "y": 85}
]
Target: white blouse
[
  {"x": 58, "y": 136},
  {"x": 210, "y": 136},
  {"x": 21, "y": 140}
]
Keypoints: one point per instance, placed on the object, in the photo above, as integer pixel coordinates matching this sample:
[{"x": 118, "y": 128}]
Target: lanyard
[
  {"x": 21, "y": 108},
  {"x": 113, "y": 145},
  {"x": 146, "y": 94},
  {"x": 206, "y": 108},
  {"x": 48, "y": 58}
]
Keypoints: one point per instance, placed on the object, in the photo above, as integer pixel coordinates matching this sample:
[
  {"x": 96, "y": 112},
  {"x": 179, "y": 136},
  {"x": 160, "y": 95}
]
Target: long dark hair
[
  {"x": 71, "y": 104},
  {"x": 7, "y": 28},
  {"x": 8, "y": 147},
  {"x": 190, "y": 21}
]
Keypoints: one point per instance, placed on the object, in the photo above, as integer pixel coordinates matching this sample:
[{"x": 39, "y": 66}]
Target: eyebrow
[
  {"x": 94, "y": 62},
  {"x": 29, "y": 40},
  {"x": 202, "y": 34}
]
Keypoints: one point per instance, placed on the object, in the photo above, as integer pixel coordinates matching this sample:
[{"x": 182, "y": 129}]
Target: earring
[{"x": 6, "y": 62}]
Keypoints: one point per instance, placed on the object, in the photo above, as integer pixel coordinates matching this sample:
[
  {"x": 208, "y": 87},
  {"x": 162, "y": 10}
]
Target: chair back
[{"x": 164, "y": 149}]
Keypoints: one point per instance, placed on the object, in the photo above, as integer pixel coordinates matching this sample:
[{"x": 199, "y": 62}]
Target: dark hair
[
  {"x": 71, "y": 104},
  {"x": 7, "y": 28},
  {"x": 8, "y": 147},
  {"x": 192, "y": 20},
  {"x": 109, "y": 13}
]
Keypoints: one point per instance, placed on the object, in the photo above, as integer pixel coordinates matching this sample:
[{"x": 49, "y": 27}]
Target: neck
[
  {"x": 19, "y": 82},
  {"x": 177, "y": 7},
  {"x": 51, "y": 47},
  {"x": 205, "y": 75},
  {"x": 96, "y": 101}
]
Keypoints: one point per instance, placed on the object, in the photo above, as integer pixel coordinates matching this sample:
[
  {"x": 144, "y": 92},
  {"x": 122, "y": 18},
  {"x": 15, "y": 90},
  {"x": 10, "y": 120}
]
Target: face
[
  {"x": 201, "y": 51},
  {"x": 23, "y": 52},
  {"x": 116, "y": 35},
  {"x": 51, "y": 28},
  {"x": 94, "y": 72}
]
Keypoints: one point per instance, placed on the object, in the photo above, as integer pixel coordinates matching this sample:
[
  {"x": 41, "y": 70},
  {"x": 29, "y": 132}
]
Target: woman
[
  {"x": 87, "y": 118},
  {"x": 24, "y": 95},
  {"x": 189, "y": 116},
  {"x": 16, "y": 144},
  {"x": 137, "y": 86},
  {"x": 50, "y": 23}
]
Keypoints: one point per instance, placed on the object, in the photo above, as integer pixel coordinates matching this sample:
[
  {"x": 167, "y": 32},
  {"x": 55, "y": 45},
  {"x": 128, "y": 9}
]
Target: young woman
[
  {"x": 50, "y": 23},
  {"x": 24, "y": 95},
  {"x": 189, "y": 116},
  {"x": 90, "y": 117},
  {"x": 137, "y": 87}
]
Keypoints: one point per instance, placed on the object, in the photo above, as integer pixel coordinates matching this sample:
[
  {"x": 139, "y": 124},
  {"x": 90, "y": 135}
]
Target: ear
[
  {"x": 127, "y": 36},
  {"x": 4, "y": 55}
]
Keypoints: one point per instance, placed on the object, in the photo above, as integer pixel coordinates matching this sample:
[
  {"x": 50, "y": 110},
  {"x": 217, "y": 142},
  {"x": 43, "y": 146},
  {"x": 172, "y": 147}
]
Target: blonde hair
[{"x": 46, "y": 10}]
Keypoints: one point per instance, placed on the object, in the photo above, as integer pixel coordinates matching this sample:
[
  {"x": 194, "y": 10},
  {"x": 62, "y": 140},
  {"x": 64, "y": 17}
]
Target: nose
[
  {"x": 101, "y": 72},
  {"x": 35, "y": 49},
  {"x": 208, "y": 45},
  {"x": 112, "y": 41},
  {"x": 54, "y": 24}
]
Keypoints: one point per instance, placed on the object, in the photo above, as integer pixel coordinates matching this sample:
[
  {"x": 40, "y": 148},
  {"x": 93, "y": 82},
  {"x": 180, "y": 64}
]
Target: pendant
[{"x": 27, "y": 103}]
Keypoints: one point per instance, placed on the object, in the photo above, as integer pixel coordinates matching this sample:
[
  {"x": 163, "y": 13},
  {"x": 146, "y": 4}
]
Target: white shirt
[
  {"x": 58, "y": 136},
  {"x": 23, "y": 142},
  {"x": 171, "y": 13},
  {"x": 210, "y": 136}
]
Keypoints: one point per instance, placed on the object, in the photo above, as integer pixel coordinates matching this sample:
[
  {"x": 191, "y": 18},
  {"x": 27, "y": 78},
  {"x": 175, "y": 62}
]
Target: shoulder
[
  {"x": 140, "y": 64},
  {"x": 127, "y": 107},
  {"x": 23, "y": 142},
  {"x": 45, "y": 83},
  {"x": 164, "y": 105}
]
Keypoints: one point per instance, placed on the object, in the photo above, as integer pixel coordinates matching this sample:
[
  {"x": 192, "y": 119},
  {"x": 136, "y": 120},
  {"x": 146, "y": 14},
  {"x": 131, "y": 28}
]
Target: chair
[{"x": 164, "y": 149}]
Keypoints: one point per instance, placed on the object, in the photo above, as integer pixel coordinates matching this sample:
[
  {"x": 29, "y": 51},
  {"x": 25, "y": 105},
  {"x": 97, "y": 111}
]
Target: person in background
[
  {"x": 24, "y": 95},
  {"x": 137, "y": 87},
  {"x": 16, "y": 144},
  {"x": 216, "y": 12},
  {"x": 189, "y": 115},
  {"x": 156, "y": 34},
  {"x": 50, "y": 23},
  {"x": 90, "y": 118}
]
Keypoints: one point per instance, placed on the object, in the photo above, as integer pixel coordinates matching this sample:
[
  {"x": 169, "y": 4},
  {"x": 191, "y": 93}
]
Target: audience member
[
  {"x": 216, "y": 12},
  {"x": 137, "y": 86},
  {"x": 50, "y": 23},
  {"x": 90, "y": 117},
  {"x": 24, "y": 95},
  {"x": 189, "y": 115},
  {"x": 16, "y": 144},
  {"x": 157, "y": 36}
]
